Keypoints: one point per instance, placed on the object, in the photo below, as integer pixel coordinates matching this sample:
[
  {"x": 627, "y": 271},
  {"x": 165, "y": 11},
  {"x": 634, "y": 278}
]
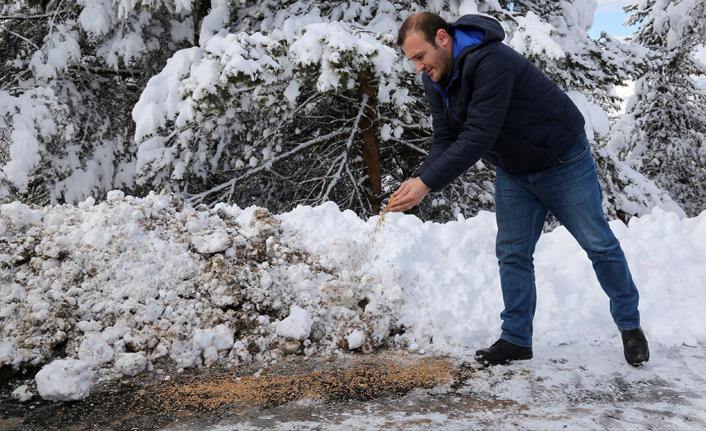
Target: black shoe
[
  {"x": 637, "y": 353},
  {"x": 503, "y": 352}
]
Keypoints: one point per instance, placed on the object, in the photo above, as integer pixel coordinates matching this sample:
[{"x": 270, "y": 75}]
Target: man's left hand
[{"x": 410, "y": 193}]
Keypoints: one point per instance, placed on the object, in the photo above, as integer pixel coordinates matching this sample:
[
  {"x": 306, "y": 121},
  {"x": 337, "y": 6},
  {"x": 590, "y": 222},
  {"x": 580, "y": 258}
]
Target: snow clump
[
  {"x": 95, "y": 351},
  {"x": 131, "y": 364},
  {"x": 22, "y": 393},
  {"x": 65, "y": 380},
  {"x": 297, "y": 325}
]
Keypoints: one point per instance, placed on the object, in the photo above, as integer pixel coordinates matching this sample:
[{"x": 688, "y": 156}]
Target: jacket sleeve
[
  {"x": 492, "y": 82},
  {"x": 443, "y": 135}
]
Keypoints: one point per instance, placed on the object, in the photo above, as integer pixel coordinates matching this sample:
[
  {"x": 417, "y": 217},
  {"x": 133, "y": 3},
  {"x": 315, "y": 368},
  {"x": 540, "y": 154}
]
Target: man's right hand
[{"x": 410, "y": 193}]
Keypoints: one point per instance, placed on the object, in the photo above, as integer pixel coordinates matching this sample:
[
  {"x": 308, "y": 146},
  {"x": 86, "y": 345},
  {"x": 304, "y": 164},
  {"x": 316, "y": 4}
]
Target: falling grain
[{"x": 363, "y": 256}]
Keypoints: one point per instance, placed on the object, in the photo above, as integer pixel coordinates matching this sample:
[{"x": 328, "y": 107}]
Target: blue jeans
[{"x": 569, "y": 189}]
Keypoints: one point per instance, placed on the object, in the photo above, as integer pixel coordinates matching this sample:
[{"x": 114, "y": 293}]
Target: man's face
[{"x": 435, "y": 60}]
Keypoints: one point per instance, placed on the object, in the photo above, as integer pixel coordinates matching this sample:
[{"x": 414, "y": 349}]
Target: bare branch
[
  {"x": 21, "y": 37},
  {"x": 412, "y": 146},
  {"x": 108, "y": 71},
  {"x": 404, "y": 125},
  {"x": 355, "y": 188},
  {"x": 53, "y": 17},
  {"x": 282, "y": 123},
  {"x": 343, "y": 157},
  {"x": 26, "y": 17},
  {"x": 235, "y": 181},
  {"x": 354, "y": 129}
]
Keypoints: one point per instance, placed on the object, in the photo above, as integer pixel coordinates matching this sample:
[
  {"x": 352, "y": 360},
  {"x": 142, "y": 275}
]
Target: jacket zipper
[{"x": 448, "y": 105}]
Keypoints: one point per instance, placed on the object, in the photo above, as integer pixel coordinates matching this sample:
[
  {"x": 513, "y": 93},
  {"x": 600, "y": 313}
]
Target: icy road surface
[{"x": 565, "y": 387}]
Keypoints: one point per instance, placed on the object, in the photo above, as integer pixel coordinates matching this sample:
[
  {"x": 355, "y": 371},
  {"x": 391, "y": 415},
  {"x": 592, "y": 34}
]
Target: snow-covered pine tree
[
  {"x": 553, "y": 34},
  {"x": 663, "y": 132},
  {"x": 299, "y": 103},
  {"x": 295, "y": 110},
  {"x": 71, "y": 71},
  {"x": 285, "y": 123},
  {"x": 279, "y": 117}
]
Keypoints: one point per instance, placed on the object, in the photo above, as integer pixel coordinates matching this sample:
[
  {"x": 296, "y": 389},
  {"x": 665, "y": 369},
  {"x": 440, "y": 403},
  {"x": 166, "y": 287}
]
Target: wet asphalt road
[{"x": 561, "y": 388}]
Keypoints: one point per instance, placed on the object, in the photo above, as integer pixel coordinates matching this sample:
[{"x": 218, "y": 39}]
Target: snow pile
[
  {"x": 137, "y": 284},
  {"x": 133, "y": 284}
]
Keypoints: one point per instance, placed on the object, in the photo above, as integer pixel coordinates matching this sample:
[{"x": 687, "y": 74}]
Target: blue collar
[{"x": 464, "y": 38}]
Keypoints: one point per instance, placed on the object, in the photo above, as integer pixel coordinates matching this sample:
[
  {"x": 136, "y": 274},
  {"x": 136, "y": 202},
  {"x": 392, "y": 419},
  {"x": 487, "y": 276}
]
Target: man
[{"x": 488, "y": 101}]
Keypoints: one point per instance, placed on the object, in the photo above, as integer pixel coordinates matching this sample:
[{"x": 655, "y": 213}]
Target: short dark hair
[{"x": 425, "y": 23}]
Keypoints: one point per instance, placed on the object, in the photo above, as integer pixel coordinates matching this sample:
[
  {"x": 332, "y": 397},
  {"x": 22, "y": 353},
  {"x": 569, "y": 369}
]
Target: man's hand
[{"x": 410, "y": 193}]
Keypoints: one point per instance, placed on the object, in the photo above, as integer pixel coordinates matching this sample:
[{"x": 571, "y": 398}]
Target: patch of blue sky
[{"x": 609, "y": 17}]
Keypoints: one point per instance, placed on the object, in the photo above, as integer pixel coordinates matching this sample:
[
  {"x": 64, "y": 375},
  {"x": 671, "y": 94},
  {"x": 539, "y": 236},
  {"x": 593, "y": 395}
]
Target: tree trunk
[
  {"x": 201, "y": 9},
  {"x": 371, "y": 148}
]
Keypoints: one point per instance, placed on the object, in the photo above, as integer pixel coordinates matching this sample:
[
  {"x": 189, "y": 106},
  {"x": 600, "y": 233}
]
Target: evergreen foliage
[
  {"x": 663, "y": 134},
  {"x": 70, "y": 75},
  {"x": 274, "y": 103}
]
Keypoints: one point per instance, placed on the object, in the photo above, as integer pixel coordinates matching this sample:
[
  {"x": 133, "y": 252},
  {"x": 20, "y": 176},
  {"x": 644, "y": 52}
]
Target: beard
[{"x": 442, "y": 64}]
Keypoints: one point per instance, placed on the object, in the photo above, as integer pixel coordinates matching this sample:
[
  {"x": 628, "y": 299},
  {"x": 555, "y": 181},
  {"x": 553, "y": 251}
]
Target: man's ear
[{"x": 442, "y": 37}]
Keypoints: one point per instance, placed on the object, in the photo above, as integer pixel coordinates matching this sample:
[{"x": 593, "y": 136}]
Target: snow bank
[
  {"x": 442, "y": 279},
  {"x": 137, "y": 284}
]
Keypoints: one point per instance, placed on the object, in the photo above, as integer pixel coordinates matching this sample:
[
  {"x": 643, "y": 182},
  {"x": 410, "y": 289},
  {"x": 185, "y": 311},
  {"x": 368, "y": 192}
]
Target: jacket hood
[{"x": 491, "y": 28}]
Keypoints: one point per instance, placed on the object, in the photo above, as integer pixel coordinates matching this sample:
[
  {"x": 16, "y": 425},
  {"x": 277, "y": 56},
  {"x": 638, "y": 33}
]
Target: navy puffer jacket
[{"x": 496, "y": 105}]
